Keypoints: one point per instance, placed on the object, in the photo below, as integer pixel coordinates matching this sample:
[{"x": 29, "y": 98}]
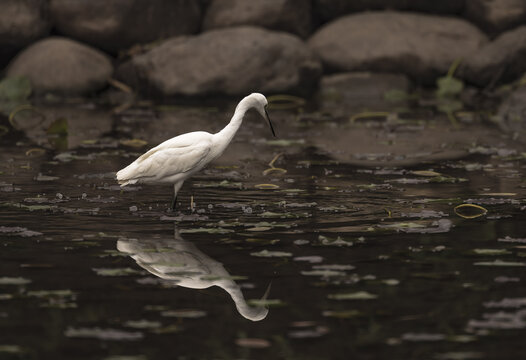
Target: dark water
[{"x": 356, "y": 240}]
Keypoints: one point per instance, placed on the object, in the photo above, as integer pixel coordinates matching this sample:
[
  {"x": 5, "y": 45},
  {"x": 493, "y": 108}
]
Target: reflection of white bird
[
  {"x": 183, "y": 263},
  {"x": 178, "y": 158}
]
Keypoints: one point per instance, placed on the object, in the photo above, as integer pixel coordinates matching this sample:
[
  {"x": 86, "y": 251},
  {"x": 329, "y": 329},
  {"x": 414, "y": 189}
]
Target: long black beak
[{"x": 270, "y": 122}]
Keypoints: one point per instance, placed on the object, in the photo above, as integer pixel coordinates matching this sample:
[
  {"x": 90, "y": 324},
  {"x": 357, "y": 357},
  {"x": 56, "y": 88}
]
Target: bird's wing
[{"x": 169, "y": 160}]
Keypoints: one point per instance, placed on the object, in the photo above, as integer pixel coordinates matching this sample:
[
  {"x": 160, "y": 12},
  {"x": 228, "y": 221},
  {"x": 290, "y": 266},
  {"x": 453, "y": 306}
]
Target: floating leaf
[
  {"x": 266, "y": 253},
  {"x": 324, "y": 273},
  {"x": 259, "y": 228},
  {"x": 359, "y": 295},
  {"x": 116, "y": 271},
  {"x": 142, "y": 324},
  {"x": 103, "y": 334},
  {"x": 266, "y": 302},
  {"x": 470, "y": 211},
  {"x": 217, "y": 230},
  {"x": 491, "y": 251},
  {"x": 266, "y": 186},
  {"x": 500, "y": 263},
  {"x": 425, "y": 173},
  {"x": 14, "y": 281}
]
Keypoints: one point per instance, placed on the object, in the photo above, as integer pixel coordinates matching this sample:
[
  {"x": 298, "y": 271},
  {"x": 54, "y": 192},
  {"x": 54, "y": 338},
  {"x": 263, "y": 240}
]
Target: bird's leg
[
  {"x": 177, "y": 186},
  {"x": 174, "y": 201}
]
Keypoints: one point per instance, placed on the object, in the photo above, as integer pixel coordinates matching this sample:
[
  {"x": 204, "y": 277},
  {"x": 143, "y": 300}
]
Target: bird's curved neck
[{"x": 230, "y": 130}]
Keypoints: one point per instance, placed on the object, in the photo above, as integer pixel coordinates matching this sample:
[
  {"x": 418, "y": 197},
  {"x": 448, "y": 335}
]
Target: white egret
[{"x": 176, "y": 159}]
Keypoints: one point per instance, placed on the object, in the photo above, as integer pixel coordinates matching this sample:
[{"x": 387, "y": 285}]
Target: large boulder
[
  {"x": 422, "y": 46},
  {"x": 21, "y": 23},
  {"x": 331, "y": 9},
  {"x": 233, "y": 61},
  {"x": 495, "y": 16},
  {"x": 114, "y": 25},
  {"x": 347, "y": 93},
  {"x": 62, "y": 66},
  {"x": 502, "y": 60},
  {"x": 293, "y": 16}
]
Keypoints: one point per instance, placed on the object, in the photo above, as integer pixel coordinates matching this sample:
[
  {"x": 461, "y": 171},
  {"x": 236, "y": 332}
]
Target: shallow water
[{"x": 354, "y": 237}]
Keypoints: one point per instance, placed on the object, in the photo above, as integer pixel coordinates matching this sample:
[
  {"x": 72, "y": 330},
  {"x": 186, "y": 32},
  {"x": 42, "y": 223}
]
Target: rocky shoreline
[{"x": 171, "y": 48}]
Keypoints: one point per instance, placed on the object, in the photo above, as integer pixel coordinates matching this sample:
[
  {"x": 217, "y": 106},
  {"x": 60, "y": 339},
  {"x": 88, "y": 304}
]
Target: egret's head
[{"x": 260, "y": 103}]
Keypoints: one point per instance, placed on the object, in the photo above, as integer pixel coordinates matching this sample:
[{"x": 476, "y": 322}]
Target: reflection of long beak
[{"x": 270, "y": 123}]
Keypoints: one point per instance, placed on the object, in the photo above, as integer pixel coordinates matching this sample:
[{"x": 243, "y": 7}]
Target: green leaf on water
[{"x": 359, "y": 295}]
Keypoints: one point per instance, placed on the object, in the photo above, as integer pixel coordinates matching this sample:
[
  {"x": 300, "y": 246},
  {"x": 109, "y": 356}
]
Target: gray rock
[
  {"x": 287, "y": 15},
  {"x": 345, "y": 93},
  {"x": 62, "y": 66},
  {"x": 233, "y": 61},
  {"x": 114, "y": 25},
  {"x": 331, "y": 9},
  {"x": 502, "y": 60},
  {"x": 494, "y": 16},
  {"x": 21, "y": 23},
  {"x": 422, "y": 46}
]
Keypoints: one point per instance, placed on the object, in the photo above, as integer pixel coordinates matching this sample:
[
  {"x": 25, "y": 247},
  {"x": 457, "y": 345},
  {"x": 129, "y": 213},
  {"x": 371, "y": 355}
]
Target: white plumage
[{"x": 176, "y": 159}]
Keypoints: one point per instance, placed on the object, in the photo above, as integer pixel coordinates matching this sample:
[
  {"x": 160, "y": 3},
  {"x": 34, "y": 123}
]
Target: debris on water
[
  {"x": 507, "y": 303},
  {"x": 142, "y": 324},
  {"x": 418, "y": 337},
  {"x": 14, "y": 281},
  {"x": 470, "y": 211},
  {"x": 133, "y": 208},
  {"x": 499, "y": 262},
  {"x": 315, "y": 332},
  {"x": 491, "y": 252},
  {"x": 41, "y": 177},
  {"x": 425, "y": 214},
  {"x": 509, "y": 239},
  {"x": 116, "y": 271},
  {"x": 266, "y": 253},
  {"x": 506, "y": 279},
  {"x": 500, "y": 320},
  {"x": 253, "y": 343},
  {"x": 359, "y": 295},
  {"x": 311, "y": 259},
  {"x": 103, "y": 334},
  {"x": 18, "y": 231},
  {"x": 437, "y": 226},
  {"x": 460, "y": 355},
  {"x": 327, "y": 241}
]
